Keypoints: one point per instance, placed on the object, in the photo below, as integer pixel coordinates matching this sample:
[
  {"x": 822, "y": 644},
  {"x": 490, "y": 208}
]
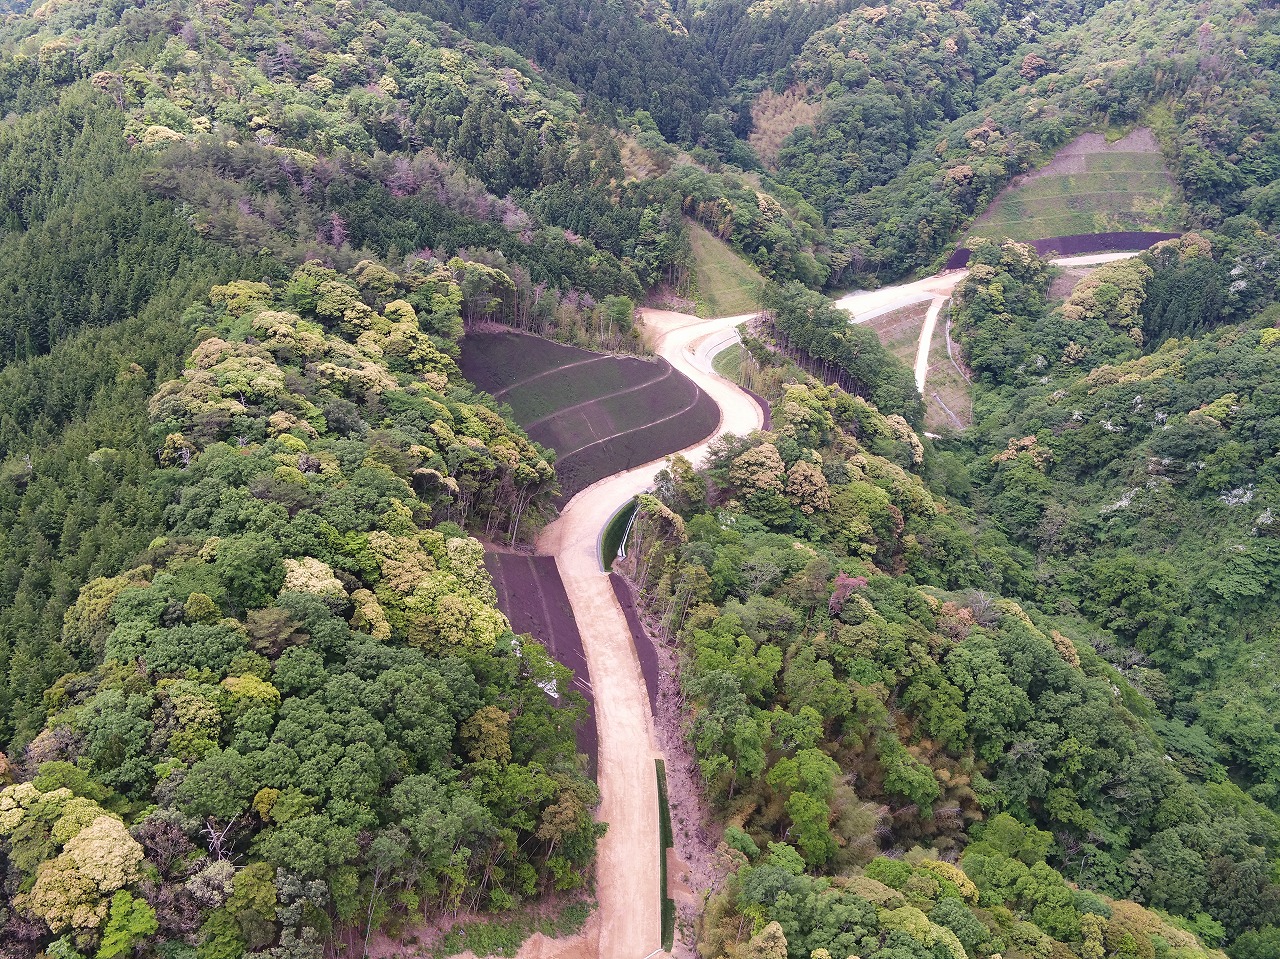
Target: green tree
[{"x": 129, "y": 921}]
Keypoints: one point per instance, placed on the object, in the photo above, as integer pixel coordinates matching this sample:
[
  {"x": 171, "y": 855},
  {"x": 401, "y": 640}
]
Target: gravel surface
[{"x": 627, "y": 872}]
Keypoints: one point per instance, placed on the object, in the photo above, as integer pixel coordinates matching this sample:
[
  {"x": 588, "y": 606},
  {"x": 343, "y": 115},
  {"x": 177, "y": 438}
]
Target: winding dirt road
[
  {"x": 627, "y": 871},
  {"x": 865, "y": 305}
]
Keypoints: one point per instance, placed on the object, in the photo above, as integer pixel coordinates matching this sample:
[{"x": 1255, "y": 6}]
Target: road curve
[
  {"x": 627, "y": 870},
  {"x": 864, "y": 305}
]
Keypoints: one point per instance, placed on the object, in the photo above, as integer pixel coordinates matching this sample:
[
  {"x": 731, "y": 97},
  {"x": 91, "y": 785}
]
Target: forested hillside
[
  {"x": 1004, "y": 695},
  {"x": 628, "y": 55},
  {"x": 1137, "y": 477},
  {"x": 863, "y": 703},
  {"x": 924, "y": 112},
  {"x": 299, "y": 707}
]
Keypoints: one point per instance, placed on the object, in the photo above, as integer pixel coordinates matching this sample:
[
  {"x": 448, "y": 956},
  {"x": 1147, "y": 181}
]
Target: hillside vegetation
[
  {"x": 1138, "y": 481},
  {"x": 300, "y": 678},
  {"x": 726, "y": 284},
  {"x": 863, "y": 705},
  {"x": 927, "y": 112},
  {"x": 1090, "y": 186},
  {"x": 1006, "y": 695}
]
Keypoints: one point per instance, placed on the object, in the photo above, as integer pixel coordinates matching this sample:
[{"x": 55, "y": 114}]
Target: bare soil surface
[
  {"x": 646, "y": 646},
  {"x": 419, "y": 940},
  {"x": 1065, "y": 282},
  {"x": 899, "y": 330},
  {"x": 532, "y": 596},
  {"x": 1071, "y": 159},
  {"x": 628, "y": 871}
]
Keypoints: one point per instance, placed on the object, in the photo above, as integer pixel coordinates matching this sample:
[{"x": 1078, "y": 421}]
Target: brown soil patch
[
  {"x": 899, "y": 331},
  {"x": 774, "y": 116},
  {"x": 420, "y": 939},
  {"x": 600, "y": 413},
  {"x": 1071, "y": 158},
  {"x": 1066, "y": 281}
]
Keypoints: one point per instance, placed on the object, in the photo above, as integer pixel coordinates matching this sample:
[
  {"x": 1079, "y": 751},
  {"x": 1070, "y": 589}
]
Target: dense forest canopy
[
  {"x": 855, "y": 689},
  {"x": 1006, "y": 693},
  {"x": 300, "y": 683}
]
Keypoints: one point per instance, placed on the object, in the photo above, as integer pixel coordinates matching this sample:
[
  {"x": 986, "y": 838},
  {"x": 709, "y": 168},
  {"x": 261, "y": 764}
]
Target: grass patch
[
  {"x": 899, "y": 331},
  {"x": 611, "y": 539},
  {"x": 504, "y": 937},
  {"x": 665, "y": 842},
  {"x": 1109, "y": 190},
  {"x": 727, "y": 284},
  {"x": 728, "y": 362}
]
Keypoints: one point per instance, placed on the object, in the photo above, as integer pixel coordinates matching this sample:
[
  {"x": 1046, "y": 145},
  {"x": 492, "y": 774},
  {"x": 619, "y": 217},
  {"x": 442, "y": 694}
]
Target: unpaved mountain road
[
  {"x": 628, "y": 924},
  {"x": 865, "y": 305},
  {"x": 628, "y": 880}
]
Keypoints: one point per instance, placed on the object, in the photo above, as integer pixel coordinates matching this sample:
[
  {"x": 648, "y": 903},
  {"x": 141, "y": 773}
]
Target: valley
[{"x": 731, "y": 479}]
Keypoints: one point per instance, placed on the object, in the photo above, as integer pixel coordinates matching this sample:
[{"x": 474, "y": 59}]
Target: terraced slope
[
  {"x": 531, "y": 594},
  {"x": 601, "y": 414},
  {"x": 1090, "y": 186}
]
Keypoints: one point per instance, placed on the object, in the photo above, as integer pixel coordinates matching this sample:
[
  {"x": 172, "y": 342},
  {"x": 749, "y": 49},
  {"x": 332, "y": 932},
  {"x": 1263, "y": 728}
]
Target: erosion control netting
[
  {"x": 1083, "y": 244},
  {"x": 1080, "y": 244},
  {"x": 645, "y": 650},
  {"x": 532, "y": 595},
  {"x": 601, "y": 414}
]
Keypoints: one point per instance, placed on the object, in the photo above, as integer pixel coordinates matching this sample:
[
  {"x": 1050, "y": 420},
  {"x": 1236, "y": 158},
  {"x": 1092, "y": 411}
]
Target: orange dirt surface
[{"x": 628, "y": 879}]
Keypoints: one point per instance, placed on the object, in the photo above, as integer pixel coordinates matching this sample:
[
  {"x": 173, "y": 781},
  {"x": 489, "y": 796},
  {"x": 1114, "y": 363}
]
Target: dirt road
[
  {"x": 866, "y": 305},
  {"x": 926, "y": 337},
  {"x": 627, "y": 871}
]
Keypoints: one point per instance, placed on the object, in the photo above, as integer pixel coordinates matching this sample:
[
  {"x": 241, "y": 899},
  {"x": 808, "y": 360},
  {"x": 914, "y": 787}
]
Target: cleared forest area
[
  {"x": 1090, "y": 186},
  {"x": 601, "y": 414}
]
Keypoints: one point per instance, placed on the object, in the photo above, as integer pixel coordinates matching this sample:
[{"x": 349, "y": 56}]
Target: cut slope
[
  {"x": 1090, "y": 186},
  {"x": 601, "y": 414},
  {"x": 531, "y": 595},
  {"x": 899, "y": 330},
  {"x": 727, "y": 283}
]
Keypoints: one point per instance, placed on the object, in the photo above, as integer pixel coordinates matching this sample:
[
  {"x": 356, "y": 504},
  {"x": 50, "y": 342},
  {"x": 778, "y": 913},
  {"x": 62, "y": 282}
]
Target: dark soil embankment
[
  {"x": 532, "y": 595},
  {"x": 765, "y": 409},
  {"x": 601, "y": 414},
  {"x": 1080, "y": 244},
  {"x": 645, "y": 650}
]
